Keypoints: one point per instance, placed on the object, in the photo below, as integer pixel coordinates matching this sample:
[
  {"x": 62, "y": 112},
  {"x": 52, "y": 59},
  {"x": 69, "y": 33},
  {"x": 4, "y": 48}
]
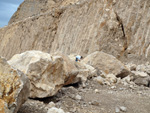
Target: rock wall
[
  {"x": 117, "y": 27},
  {"x": 136, "y": 22},
  {"x": 31, "y": 8}
]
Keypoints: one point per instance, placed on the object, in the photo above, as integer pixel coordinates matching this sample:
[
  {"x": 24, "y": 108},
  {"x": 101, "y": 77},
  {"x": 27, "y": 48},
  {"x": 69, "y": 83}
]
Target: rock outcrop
[
  {"x": 46, "y": 73},
  {"x": 107, "y": 63},
  {"x": 14, "y": 88},
  {"x": 120, "y": 28}
]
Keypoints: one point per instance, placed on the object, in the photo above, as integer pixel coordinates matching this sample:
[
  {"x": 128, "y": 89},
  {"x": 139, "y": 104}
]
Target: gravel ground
[{"x": 94, "y": 98}]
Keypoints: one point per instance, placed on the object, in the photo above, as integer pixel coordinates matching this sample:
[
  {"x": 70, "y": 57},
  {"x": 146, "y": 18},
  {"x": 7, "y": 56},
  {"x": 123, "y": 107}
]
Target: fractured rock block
[{"x": 14, "y": 88}]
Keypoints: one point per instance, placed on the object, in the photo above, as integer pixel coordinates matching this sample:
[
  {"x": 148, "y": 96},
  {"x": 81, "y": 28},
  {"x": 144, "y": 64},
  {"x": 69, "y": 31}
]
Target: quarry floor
[{"x": 94, "y": 98}]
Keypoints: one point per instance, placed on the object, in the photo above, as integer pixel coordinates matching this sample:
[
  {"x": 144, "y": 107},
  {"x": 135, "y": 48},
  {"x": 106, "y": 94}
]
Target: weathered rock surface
[
  {"x": 131, "y": 67},
  {"x": 117, "y": 27},
  {"x": 111, "y": 78},
  {"x": 145, "y": 81},
  {"x": 85, "y": 71},
  {"x": 70, "y": 69},
  {"x": 137, "y": 74},
  {"x": 55, "y": 110},
  {"x": 100, "y": 80},
  {"x": 31, "y": 8},
  {"x": 14, "y": 88},
  {"x": 141, "y": 78},
  {"x": 47, "y": 73},
  {"x": 135, "y": 20},
  {"x": 107, "y": 63},
  {"x": 144, "y": 68}
]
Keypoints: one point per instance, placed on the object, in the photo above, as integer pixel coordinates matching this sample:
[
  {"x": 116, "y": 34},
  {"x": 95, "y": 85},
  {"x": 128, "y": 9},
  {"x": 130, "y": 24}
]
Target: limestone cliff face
[
  {"x": 31, "y": 8},
  {"x": 135, "y": 16},
  {"x": 117, "y": 27}
]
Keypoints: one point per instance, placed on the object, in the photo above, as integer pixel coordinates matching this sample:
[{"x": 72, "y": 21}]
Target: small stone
[
  {"x": 51, "y": 104},
  {"x": 125, "y": 83},
  {"x": 117, "y": 110},
  {"x": 113, "y": 87},
  {"x": 127, "y": 79},
  {"x": 131, "y": 86},
  {"x": 96, "y": 91},
  {"x": 84, "y": 104},
  {"x": 95, "y": 103},
  {"x": 99, "y": 79},
  {"x": 118, "y": 80},
  {"x": 90, "y": 103},
  {"x": 116, "y": 39},
  {"x": 72, "y": 96},
  {"x": 107, "y": 83},
  {"x": 122, "y": 108},
  {"x": 120, "y": 45},
  {"x": 139, "y": 92},
  {"x": 107, "y": 9},
  {"x": 73, "y": 109},
  {"x": 55, "y": 110},
  {"x": 140, "y": 74},
  {"x": 111, "y": 78},
  {"x": 78, "y": 97},
  {"x": 83, "y": 85}
]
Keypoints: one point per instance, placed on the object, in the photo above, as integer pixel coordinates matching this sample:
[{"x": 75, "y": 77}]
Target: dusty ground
[{"x": 105, "y": 99}]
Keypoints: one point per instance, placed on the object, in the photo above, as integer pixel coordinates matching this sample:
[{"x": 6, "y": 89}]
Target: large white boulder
[
  {"x": 107, "y": 63},
  {"x": 14, "y": 88},
  {"x": 47, "y": 73}
]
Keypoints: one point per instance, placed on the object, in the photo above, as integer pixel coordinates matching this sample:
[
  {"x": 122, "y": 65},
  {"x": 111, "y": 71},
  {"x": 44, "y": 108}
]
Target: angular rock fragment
[
  {"x": 69, "y": 68},
  {"x": 14, "y": 88},
  {"x": 85, "y": 72},
  {"x": 141, "y": 78},
  {"x": 145, "y": 81}
]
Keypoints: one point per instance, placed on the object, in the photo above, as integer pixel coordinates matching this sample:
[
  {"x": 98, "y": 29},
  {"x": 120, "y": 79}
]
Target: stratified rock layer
[
  {"x": 118, "y": 27},
  {"x": 14, "y": 88},
  {"x": 31, "y": 8}
]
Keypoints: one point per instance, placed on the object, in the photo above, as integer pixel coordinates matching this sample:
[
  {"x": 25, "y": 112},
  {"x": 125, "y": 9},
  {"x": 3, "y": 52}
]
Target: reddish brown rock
[{"x": 14, "y": 88}]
